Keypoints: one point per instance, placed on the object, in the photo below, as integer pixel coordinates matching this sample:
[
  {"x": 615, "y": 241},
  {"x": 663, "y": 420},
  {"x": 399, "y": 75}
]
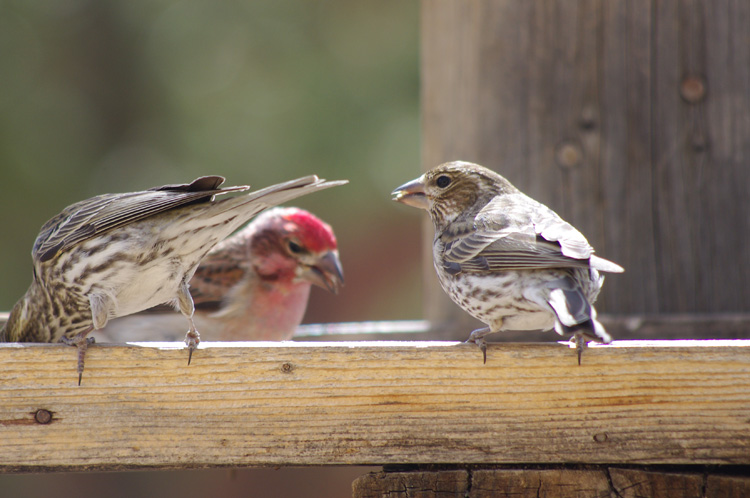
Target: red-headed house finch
[
  {"x": 252, "y": 286},
  {"x": 506, "y": 259},
  {"x": 118, "y": 254}
]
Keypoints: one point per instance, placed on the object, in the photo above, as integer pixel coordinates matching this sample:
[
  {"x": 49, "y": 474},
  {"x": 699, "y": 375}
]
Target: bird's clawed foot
[
  {"x": 192, "y": 339},
  {"x": 477, "y": 337},
  {"x": 81, "y": 342}
]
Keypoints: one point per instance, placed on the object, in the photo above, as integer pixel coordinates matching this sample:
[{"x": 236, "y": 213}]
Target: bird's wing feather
[
  {"x": 507, "y": 252},
  {"x": 217, "y": 274},
  {"x": 506, "y": 236},
  {"x": 88, "y": 218}
]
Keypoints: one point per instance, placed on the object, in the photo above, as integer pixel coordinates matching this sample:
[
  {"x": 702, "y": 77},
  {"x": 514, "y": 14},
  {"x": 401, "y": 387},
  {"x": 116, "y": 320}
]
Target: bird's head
[
  {"x": 296, "y": 244},
  {"x": 24, "y": 323},
  {"x": 451, "y": 190},
  {"x": 15, "y": 322}
]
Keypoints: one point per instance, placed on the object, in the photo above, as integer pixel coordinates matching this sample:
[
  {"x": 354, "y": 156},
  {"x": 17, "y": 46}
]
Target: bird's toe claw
[
  {"x": 192, "y": 339},
  {"x": 477, "y": 337},
  {"x": 481, "y": 343},
  {"x": 580, "y": 346},
  {"x": 81, "y": 342}
]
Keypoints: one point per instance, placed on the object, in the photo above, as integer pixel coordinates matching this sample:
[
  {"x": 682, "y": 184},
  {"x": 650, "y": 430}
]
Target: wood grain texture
[
  {"x": 630, "y": 483},
  {"x": 531, "y": 483},
  {"x": 443, "y": 484},
  {"x": 627, "y": 118},
  {"x": 600, "y": 482},
  {"x": 679, "y": 402},
  {"x": 727, "y": 486}
]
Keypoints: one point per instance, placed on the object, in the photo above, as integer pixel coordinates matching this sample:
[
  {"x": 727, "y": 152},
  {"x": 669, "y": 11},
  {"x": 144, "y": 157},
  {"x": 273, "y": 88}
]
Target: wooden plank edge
[{"x": 368, "y": 403}]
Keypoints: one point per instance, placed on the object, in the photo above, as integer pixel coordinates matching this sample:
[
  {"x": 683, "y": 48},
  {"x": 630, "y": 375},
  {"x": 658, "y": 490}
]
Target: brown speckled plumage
[
  {"x": 117, "y": 254},
  {"x": 507, "y": 260}
]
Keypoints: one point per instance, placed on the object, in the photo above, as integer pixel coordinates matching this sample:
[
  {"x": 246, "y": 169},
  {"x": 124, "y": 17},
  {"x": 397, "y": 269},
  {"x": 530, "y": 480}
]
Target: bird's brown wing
[
  {"x": 517, "y": 233},
  {"x": 214, "y": 279},
  {"x": 479, "y": 253},
  {"x": 86, "y": 219}
]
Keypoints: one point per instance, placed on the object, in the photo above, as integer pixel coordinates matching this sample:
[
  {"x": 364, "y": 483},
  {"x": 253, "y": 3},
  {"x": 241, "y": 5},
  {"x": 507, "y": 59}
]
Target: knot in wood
[
  {"x": 588, "y": 118},
  {"x": 692, "y": 89},
  {"x": 569, "y": 155}
]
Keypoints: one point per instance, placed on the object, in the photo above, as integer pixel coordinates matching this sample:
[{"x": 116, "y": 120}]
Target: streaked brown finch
[
  {"x": 506, "y": 259},
  {"x": 118, "y": 254}
]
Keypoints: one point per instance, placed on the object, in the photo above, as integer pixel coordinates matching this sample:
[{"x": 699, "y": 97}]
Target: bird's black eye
[
  {"x": 295, "y": 248},
  {"x": 443, "y": 181}
]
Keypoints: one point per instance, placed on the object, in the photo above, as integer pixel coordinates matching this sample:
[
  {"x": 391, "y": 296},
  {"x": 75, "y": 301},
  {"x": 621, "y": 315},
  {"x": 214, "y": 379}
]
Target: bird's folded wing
[
  {"x": 479, "y": 252},
  {"x": 518, "y": 233},
  {"x": 91, "y": 217},
  {"x": 214, "y": 279}
]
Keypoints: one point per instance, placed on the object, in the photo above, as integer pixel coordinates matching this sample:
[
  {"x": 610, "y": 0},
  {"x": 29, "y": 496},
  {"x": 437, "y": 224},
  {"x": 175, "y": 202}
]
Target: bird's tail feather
[
  {"x": 574, "y": 312},
  {"x": 244, "y": 207}
]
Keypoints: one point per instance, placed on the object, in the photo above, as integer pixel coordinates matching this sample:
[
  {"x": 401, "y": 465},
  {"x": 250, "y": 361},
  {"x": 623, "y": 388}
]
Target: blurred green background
[{"x": 114, "y": 96}]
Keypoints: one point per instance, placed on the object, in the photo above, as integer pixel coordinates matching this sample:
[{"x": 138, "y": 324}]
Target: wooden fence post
[{"x": 631, "y": 120}]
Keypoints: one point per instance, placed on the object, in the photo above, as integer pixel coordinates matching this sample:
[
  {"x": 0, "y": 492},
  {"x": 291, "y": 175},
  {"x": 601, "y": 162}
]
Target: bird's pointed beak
[
  {"x": 412, "y": 194},
  {"x": 326, "y": 272}
]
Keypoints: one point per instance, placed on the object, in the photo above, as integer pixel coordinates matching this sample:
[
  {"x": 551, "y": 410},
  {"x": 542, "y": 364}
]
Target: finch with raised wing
[
  {"x": 118, "y": 254},
  {"x": 506, "y": 259},
  {"x": 253, "y": 286}
]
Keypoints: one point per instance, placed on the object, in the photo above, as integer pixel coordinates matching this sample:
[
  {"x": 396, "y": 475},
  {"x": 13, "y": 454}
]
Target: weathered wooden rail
[{"x": 248, "y": 404}]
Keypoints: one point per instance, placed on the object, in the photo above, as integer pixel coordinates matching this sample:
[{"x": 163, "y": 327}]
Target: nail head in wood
[
  {"x": 43, "y": 416},
  {"x": 601, "y": 437},
  {"x": 287, "y": 367}
]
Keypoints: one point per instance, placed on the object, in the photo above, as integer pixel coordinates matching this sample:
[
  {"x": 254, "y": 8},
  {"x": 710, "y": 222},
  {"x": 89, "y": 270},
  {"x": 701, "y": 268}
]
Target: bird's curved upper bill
[
  {"x": 412, "y": 194},
  {"x": 326, "y": 272}
]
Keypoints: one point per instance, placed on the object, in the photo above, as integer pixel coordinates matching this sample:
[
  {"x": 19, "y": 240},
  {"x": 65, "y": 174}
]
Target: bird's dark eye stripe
[
  {"x": 294, "y": 247},
  {"x": 443, "y": 181}
]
